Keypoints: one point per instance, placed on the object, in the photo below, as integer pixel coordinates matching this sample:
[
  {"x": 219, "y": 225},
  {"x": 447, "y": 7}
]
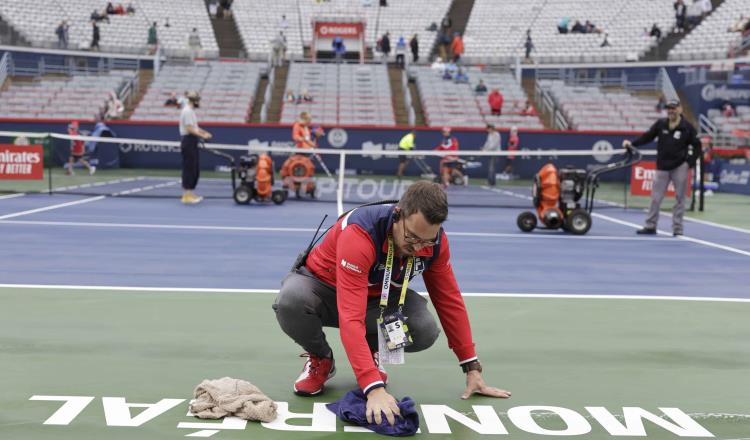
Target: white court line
[
  {"x": 12, "y": 196},
  {"x": 682, "y": 237},
  {"x": 271, "y": 229},
  {"x": 467, "y": 294},
  {"x": 49, "y": 208},
  {"x": 704, "y": 222},
  {"x": 154, "y": 226}
]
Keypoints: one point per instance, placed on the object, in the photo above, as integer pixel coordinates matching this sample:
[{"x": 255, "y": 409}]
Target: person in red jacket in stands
[
  {"x": 357, "y": 279},
  {"x": 495, "y": 100}
]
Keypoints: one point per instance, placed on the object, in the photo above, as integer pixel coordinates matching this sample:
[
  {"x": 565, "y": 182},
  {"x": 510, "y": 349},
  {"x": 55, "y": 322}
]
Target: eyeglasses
[{"x": 414, "y": 239}]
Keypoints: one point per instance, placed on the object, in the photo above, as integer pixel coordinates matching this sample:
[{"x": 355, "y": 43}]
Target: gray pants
[
  {"x": 491, "y": 172},
  {"x": 678, "y": 177},
  {"x": 305, "y": 305}
]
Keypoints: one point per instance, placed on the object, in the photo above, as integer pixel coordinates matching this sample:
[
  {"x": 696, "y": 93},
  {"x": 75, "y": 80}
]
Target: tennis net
[{"x": 151, "y": 168}]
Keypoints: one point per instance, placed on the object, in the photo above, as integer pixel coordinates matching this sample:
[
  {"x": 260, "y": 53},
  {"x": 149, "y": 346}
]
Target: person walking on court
[
  {"x": 677, "y": 149},
  {"x": 77, "y": 152},
  {"x": 491, "y": 144},
  {"x": 190, "y": 133},
  {"x": 405, "y": 144},
  {"x": 357, "y": 279}
]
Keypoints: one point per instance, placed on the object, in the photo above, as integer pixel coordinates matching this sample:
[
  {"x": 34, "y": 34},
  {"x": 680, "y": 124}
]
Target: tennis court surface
[{"x": 114, "y": 309}]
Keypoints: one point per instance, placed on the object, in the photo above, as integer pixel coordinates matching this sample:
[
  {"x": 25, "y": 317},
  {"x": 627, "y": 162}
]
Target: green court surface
[{"x": 145, "y": 346}]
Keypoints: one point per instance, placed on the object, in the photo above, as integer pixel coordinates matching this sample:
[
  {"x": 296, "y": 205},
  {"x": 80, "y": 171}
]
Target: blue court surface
[{"x": 105, "y": 241}]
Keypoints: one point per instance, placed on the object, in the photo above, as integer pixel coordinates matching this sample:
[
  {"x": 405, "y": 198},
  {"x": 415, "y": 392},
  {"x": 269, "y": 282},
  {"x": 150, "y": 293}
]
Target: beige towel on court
[{"x": 223, "y": 397}]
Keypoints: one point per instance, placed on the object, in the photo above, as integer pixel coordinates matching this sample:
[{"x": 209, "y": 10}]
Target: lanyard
[{"x": 387, "y": 279}]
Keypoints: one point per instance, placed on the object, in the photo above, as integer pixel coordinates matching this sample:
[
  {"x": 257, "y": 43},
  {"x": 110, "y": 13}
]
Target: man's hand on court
[
  {"x": 379, "y": 402},
  {"x": 475, "y": 384}
]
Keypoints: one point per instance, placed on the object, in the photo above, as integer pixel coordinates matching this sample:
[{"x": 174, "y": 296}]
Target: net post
[
  {"x": 702, "y": 185},
  {"x": 47, "y": 144},
  {"x": 340, "y": 189}
]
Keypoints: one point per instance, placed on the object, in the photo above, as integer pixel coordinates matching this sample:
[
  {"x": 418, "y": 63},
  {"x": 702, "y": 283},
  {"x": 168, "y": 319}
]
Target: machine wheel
[
  {"x": 526, "y": 221},
  {"x": 578, "y": 222},
  {"x": 278, "y": 197},
  {"x": 243, "y": 194}
]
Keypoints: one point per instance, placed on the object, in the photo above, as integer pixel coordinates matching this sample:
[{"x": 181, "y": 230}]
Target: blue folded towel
[{"x": 351, "y": 408}]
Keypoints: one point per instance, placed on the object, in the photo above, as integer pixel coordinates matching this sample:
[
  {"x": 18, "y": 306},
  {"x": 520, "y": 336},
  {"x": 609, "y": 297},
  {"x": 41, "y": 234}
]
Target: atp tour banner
[
  {"x": 21, "y": 162},
  {"x": 378, "y": 141}
]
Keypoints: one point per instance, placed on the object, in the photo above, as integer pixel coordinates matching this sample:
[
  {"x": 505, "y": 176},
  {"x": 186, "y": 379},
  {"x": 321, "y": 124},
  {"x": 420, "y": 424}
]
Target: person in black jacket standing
[{"x": 677, "y": 148}]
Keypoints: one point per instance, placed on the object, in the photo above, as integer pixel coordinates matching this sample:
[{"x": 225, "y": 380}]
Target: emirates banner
[
  {"x": 21, "y": 162},
  {"x": 642, "y": 179}
]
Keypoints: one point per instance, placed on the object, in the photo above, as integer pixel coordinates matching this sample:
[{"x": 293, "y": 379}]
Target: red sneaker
[
  {"x": 314, "y": 375},
  {"x": 383, "y": 373}
]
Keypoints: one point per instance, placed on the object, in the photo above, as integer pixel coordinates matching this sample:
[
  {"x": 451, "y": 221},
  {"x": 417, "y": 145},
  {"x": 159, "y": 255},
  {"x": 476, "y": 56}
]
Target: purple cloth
[{"x": 352, "y": 408}]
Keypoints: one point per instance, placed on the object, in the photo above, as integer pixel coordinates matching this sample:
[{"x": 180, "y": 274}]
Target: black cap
[{"x": 673, "y": 103}]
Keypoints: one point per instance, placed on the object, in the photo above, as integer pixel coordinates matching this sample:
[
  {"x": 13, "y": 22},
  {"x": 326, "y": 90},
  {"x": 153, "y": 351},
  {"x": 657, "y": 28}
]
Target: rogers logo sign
[{"x": 340, "y": 30}]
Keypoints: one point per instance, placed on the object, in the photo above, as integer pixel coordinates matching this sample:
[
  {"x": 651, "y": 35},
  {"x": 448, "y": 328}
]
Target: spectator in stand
[
  {"x": 115, "y": 107},
  {"x": 680, "y": 14},
  {"x": 305, "y": 96},
  {"x": 95, "y": 36},
  {"x": 384, "y": 3},
  {"x": 62, "y": 35},
  {"x": 401, "y": 52},
  {"x": 481, "y": 88},
  {"x": 512, "y": 146},
  {"x": 225, "y": 8},
  {"x": 605, "y": 42},
  {"x": 283, "y": 23},
  {"x": 119, "y": 9},
  {"x": 495, "y": 100},
  {"x": 110, "y": 9},
  {"x": 414, "y": 46},
  {"x": 450, "y": 70},
  {"x": 457, "y": 47},
  {"x": 578, "y": 28},
  {"x": 529, "y": 109},
  {"x": 728, "y": 110},
  {"x": 153, "y": 39},
  {"x": 339, "y": 49},
  {"x": 741, "y": 25},
  {"x": 694, "y": 13},
  {"x": 194, "y": 43},
  {"x": 446, "y": 24},
  {"x": 461, "y": 76},
  {"x": 591, "y": 28},
  {"x": 438, "y": 65},
  {"x": 166, "y": 22},
  {"x": 444, "y": 44},
  {"x": 385, "y": 46},
  {"x": 278, "y": 50},
  {"x": 172, "y": 101},
  {"x": 99, "y": 16},
  {"x": 655, "y": 32},
  {"x": 130, "y": 10},
  {"x": 528, "y": 45},
  {"x": 290, "y": 96},
  {"x": 562, "y": 25},
  {"x": 706, "y": 7}
]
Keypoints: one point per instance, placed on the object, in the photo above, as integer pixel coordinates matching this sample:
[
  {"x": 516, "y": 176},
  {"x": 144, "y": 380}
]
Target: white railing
[
  {"x": 4, "y": 62},
  {"x": 664, "y": 83}
]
